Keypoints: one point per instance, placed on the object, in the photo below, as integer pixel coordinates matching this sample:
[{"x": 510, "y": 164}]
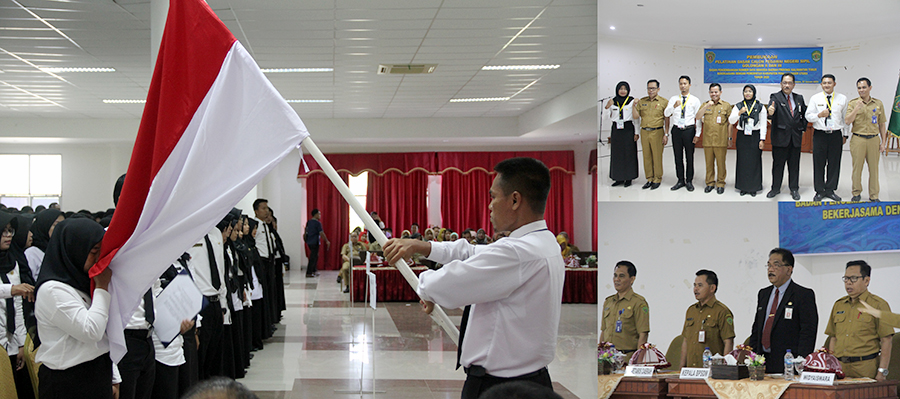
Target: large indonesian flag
[{"x": 213, "y": 127}]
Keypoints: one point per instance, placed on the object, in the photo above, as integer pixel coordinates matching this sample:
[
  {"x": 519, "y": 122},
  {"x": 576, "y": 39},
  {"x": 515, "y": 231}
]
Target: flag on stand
[
  {"x": 894, "y": 124},
  {"x": 213, "y": 127}
]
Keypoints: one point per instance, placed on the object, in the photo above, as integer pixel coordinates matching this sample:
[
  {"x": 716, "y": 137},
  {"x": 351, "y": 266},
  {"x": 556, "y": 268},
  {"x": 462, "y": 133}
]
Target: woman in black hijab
[
  {"x": 623, "y": 161},
  {"x": 750, "y": 116},
  {"x": 71, "y": 322},
  {"x": 41, "y": 230},
  {"x": 15, "y": 284}
]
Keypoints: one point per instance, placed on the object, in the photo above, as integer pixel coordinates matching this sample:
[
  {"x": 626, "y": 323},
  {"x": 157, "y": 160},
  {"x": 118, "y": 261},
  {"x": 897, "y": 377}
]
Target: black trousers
[
  {"x": 189, "y": 372},
  {"x": 165, "y": 385},
  {"x": 827, "y": 148},
  {"x": 683, "y": 144},
  {"x": 211, "y": 333},
  {"x": 138, "y": 366},
  {"x": 476, "y": 385},
  {"x": 89, "y": 380},
  {"x": 260, "y": 326},
  {"x": 24, "y": 390},
  {"x": 313, "y": 259},
  {"x": 789, "y": 155}
]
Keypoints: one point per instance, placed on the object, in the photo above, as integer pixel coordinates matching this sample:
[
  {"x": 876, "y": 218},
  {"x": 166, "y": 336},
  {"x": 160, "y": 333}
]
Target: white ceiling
[
  {"x": 351, "y": 36},
  {"x": 742, "y": 23}
]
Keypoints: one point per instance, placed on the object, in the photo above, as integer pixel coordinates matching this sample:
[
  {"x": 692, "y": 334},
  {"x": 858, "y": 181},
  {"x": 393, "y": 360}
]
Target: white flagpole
[{"x": 438, "y": 314}]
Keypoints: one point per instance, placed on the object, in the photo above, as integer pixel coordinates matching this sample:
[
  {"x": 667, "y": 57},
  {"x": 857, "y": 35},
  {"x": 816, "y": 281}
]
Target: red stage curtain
[
  {"x": 592, "y": 165},
  {"x": 465, "y": 199},
  {"x": 400, "y": 200},
  {"x": 321, "y": 194},
  {"x": 559, "y": 213}
]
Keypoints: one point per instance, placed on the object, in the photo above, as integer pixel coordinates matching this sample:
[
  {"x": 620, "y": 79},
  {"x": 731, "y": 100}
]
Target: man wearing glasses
[
  {"x": 786, "y": 315},
  {"x": 654, "y": 126},
  {"x": 856, "y": 337}
]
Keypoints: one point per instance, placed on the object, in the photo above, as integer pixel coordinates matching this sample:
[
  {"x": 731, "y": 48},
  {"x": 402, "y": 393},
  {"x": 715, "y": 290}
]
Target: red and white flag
[{"x": 213, "y": 127}]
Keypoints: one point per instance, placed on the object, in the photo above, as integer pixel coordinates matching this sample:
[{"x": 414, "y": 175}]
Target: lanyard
[{"x": 621, "y": 110}]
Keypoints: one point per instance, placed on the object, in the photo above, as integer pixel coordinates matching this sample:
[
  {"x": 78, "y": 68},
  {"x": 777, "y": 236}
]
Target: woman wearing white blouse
[
  {"x": 71, "y": 323},
  {"x": 750, "y": 116},
  {"x": 623, "y": 161}
]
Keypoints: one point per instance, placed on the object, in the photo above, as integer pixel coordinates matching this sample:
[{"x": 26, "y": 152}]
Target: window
[
  {"x": 30, "y": 179},
  {"x": 358, "y": 186}
]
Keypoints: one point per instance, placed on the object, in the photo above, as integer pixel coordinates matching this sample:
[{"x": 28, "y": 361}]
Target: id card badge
[
  {"x": 719, "y": 119},
  {"x": 788, "y": 313},
  {"x": 702, "y": 337},
  {"x": 748, "y": 127},
  {"x": 875, "y": 116},
  {"x": 620, "y": 124},
  {"x": 829, "y": 122},
  {"x": 680, "y": 123},
  {"x": 618, "y": 326}
]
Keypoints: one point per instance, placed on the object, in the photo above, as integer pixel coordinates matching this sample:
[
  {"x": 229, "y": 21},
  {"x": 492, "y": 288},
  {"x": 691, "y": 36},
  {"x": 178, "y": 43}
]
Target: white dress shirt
[
  {"x": 819, "y": 103},
  {"x": 11, "y": 340},
  {"x": 35, "y": 257},
  {"x": 72, "y": 326},
  {"x": 515, "y": 288},
  {"x": 627, "y": 115},
  {"x": 691, "y": 106},
  {"x": 264, "y": 243},
  {"x": 199, "y": 265},
  {"x": 257, "y": 292},
  {"x": 759, "y": 124}
]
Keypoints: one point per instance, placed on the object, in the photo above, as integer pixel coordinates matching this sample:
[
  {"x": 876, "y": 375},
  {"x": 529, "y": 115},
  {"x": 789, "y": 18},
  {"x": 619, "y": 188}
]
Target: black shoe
[
  {"x": 753, "y": 193},
  {"x": 773, "y": 193},
  {"x": 874, "y": 200},
  {"x": 677, "y": 186},
  {"x": 646, "y": 185},
  {"x": 818, "y": 197},
  {"x": 834, "y": 197},
  {"x": 743, "y": 193},
  {"x": 339, "y": 278},
  {"x": 720, "y": 190},
  {"x": 618, "y": 183},
  {"x": 708, "y": 189},
  {"x": 795, "y": 195},
  {"x": 347, "y": 289},
  {"x": 654, "y": 186},
  {"x": 627, "y": 183},
  {"x": 310, "y": 275},
  {"x": 689, "y": 185},
  {"x": 856, "y": 198}
]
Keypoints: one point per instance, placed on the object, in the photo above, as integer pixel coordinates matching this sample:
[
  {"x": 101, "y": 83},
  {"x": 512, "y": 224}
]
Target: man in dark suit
[
  {"x": 786, "y": 110},
  {"x": 786, "y": 315}
]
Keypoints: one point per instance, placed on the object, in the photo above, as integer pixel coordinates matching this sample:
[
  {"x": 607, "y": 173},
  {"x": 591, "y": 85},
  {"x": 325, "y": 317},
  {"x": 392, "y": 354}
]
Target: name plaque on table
[
  {"x": 639, "y": 371},
  {"x": 808, "y": 377},
  {"x": 694, "y": 373}
]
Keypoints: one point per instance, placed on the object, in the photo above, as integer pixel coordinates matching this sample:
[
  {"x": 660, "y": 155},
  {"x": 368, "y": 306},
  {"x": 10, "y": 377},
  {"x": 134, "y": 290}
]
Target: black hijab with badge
[
  {"x": 72, "y": 242},
  {"x": 621, "y": 101},
  {"x": 40, "y": 229},
  {"x": 754, "y": 107}
]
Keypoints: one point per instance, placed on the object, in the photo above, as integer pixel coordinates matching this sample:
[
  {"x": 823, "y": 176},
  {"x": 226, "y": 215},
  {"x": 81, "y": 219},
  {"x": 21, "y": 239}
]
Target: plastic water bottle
[
  {"x": 788, "y": 366},
  {"x": 707, "y": 358}
]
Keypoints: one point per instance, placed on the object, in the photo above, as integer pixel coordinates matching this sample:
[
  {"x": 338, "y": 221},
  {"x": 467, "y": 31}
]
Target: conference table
[
  {"x": 671, "y": 386},
  {"x": 580, "y": 285}
]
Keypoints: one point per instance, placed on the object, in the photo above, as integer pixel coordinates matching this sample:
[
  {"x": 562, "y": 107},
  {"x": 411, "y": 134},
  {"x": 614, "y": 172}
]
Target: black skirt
[
  {"x": 623, "y": 159},
  {"x": 91, "y": 379},
  {"x": 748, "y": 167}
]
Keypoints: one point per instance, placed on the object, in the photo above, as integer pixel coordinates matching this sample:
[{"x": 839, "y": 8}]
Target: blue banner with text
[
  {"x": 762, "y": 65},
  {"x": 834, "y": 227}
]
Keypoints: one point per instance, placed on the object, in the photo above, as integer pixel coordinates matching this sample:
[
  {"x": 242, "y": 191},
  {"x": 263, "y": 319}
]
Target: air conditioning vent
[{"x": 405, "y": 69}]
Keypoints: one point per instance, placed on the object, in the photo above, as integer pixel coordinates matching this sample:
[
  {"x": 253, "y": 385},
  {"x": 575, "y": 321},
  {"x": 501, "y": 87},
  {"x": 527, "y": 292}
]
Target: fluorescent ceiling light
[
  {"x": 124, "y": 101},
  {"x": 295, "y": 70},
  {"x": 517, "y": 67},
  {"x": 76, "y": 69},
  {"x": 477, "y": 100},
  {"x": 309, "y": 101}
]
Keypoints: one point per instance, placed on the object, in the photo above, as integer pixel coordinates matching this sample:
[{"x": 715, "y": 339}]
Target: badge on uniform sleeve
[
  {"x": 646, "y": 309},
  {"x": 729, "y": 320},
  {"x": 788, "y": 313}
]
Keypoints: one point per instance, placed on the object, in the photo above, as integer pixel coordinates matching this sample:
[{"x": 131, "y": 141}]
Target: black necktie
[
  {"x": 683, "y": 105},
  {"x": 149, "y": 314},
  {"x": 10, "y": 308},
  {"x": 829, "y": 107},
  {"x": 213, "y": 268},
  {"x": 462, "y": 333}
]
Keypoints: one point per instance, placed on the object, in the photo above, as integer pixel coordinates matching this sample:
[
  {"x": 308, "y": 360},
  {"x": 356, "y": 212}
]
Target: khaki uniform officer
[
  {"x": 626, "y": 315},
  {"x": 707, "y": 323},
  {"x": 654, "y": 126},
  {"x": 869, "y": 129},
  {"x": 358, "y": 249},
  {"x": 716, "y": 131},
  {"x": 856, "y": 336}
]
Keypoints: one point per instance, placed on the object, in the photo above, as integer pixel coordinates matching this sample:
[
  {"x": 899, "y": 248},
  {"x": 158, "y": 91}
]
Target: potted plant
[
  {"x": 606, "y": 358},
  {"x": 756, "y": 365}
]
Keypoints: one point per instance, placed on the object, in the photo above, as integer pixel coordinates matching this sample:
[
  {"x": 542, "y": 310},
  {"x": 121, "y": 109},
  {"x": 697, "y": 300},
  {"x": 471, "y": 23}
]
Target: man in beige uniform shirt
[
  {"x": 869, "y": 128},
  {"x": 626, "y": 315},
  {"x": 716, "y": 134},
  {"x": 654, "y": 126}
]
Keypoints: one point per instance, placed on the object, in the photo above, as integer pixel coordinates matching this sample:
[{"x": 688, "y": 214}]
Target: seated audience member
[
  {"x": 405, "y": 234},
  {"x": 358, "y": 250},
  {"x": 500, "y": 234},
  {"x": 429, "y": 235},
  {"x": 374, "y": 246},
  {"x": 454, "y": 236},
  {"x": 481, "y": 238},
  {"x": 220, "y": 388},
  {"x": 414, "y": 232},
  {"x": 564, "y": 246}
]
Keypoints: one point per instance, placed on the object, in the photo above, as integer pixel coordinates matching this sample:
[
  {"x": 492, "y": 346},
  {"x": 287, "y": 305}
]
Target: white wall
[{"x": 670, "y": 241}]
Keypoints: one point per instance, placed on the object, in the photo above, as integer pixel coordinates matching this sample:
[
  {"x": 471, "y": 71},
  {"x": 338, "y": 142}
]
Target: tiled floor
[{"x": 318, "y": 350}]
